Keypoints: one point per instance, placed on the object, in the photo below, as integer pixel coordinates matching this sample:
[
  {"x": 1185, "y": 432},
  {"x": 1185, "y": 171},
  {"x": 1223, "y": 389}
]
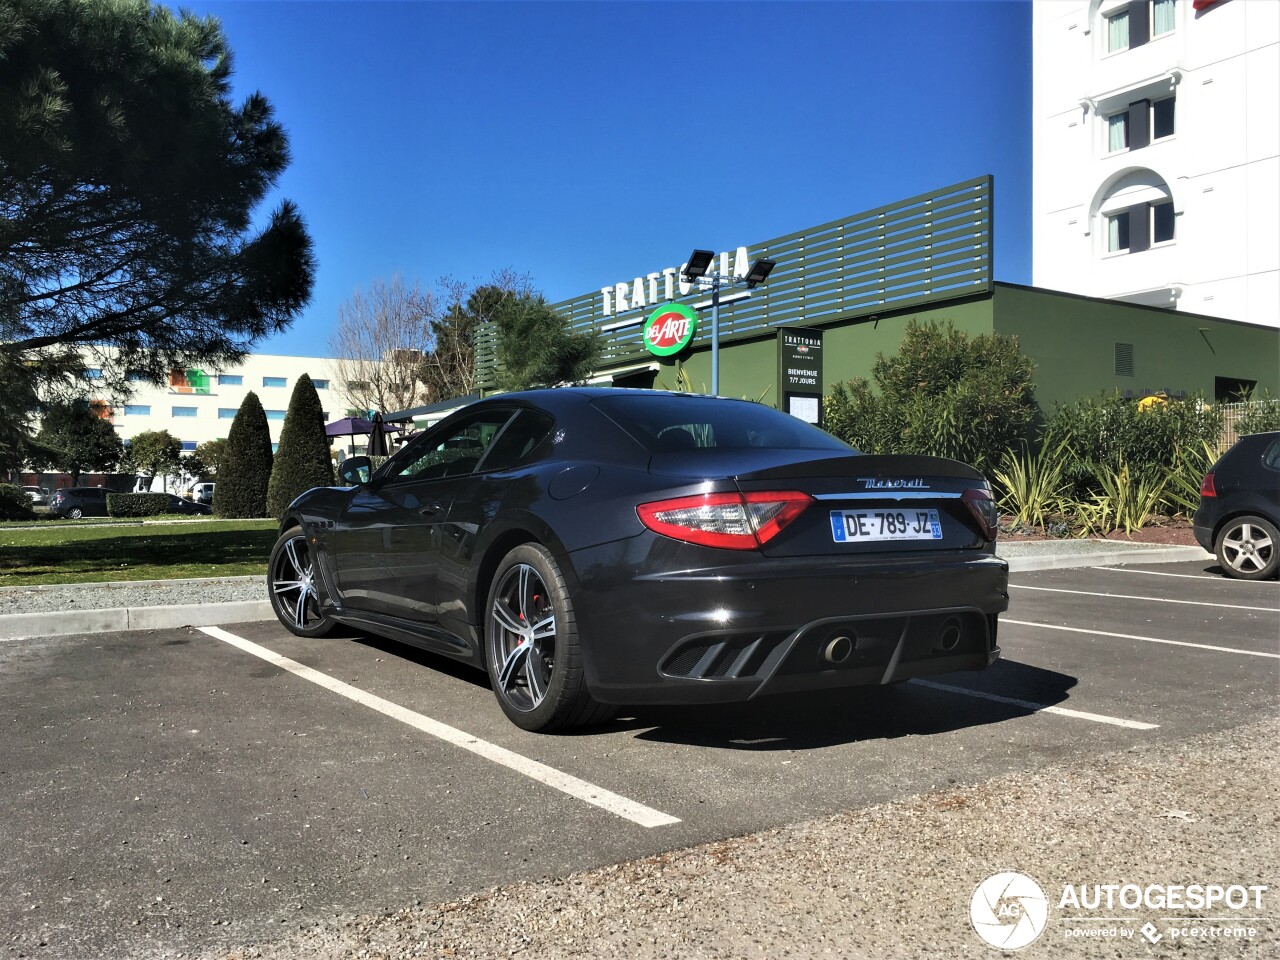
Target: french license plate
[{"x": 858, "y": 526}]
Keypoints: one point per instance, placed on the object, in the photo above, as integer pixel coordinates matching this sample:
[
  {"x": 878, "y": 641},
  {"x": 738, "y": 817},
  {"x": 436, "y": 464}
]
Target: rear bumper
[
  {"x": 743, "y": 626},
  {"x": 1204, "y": 537}
]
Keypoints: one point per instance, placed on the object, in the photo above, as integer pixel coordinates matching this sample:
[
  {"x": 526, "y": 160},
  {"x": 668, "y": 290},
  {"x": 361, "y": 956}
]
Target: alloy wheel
[
  {"x": 1247, "y": 548},
  {"x": 293, "y": 583},
  {"x": 522, "y": 625}
]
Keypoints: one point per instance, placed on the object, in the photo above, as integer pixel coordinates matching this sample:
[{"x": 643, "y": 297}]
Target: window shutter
[
  {"x": 1139, "y": 227},
  {"x": 1139, "y": 23},
  {"x": 1139, "y": 124},
  {"x": 1124, "y": 359}
]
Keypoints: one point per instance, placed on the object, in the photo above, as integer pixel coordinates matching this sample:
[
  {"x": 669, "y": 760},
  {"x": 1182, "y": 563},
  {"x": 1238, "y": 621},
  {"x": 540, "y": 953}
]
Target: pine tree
[
  {"x": 302, "y": 461},
  {"x": 246, "y": 472}
]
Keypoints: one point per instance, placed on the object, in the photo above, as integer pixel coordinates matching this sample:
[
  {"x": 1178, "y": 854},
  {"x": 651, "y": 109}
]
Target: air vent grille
[{"x": 1124, "y": 359}]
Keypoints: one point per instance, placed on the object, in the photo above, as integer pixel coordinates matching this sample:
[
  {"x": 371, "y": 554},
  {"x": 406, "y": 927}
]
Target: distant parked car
[
  {"x": 179, "y": 505},
  {"x": 77, "y": 502},
  {"x": 1239, "y": 515},
  {"x": 37, "y": 496},
  {"x": 203, "y": 493}
]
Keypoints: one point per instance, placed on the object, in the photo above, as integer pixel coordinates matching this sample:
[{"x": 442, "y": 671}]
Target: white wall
[{"x": 1221, "y": 166}]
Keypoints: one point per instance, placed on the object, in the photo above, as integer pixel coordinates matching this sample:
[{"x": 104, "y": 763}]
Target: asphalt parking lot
[{"x": 174, "y": 790}]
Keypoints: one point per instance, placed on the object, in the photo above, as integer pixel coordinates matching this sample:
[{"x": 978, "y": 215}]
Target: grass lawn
[{"x": 84, "y": 554}]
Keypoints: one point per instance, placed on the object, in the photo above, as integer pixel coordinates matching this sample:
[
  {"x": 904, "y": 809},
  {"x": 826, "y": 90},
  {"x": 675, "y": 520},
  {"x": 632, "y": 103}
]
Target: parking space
[{"x": 182, "y": 788}]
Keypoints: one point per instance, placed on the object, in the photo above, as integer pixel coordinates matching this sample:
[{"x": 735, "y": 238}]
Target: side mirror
[{"x": 355, "y": 471}]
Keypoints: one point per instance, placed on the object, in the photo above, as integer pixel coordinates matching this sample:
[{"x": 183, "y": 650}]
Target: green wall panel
[{"x": 1073, "y": 342}]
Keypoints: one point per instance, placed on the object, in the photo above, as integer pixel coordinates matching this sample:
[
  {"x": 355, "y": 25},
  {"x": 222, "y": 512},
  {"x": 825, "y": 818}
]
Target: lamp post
[{"x": 698, "y": 271}]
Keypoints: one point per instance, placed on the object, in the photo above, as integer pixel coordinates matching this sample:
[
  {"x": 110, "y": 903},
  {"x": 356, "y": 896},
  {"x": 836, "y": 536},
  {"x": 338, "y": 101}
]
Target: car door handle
[{"x": 430, "y": 508}]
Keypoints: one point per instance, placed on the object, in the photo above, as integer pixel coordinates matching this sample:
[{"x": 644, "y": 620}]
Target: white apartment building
[
  {"x": 1156, "y": 153},
  {"x": 198, "y": 405}
]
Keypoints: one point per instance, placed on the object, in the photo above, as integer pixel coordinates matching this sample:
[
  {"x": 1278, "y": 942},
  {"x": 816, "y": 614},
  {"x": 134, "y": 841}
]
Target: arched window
[{"x": 1132, "y": 212}]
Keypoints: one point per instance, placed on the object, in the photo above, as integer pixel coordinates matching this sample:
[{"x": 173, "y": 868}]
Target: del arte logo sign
[{"x": 669, "y": 329}]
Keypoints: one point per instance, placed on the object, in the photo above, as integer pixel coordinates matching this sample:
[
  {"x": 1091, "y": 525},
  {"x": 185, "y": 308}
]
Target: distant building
[{"x": 1156, "y": 153}]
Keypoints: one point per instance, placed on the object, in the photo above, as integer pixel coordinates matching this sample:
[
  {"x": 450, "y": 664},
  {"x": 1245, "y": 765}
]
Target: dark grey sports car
[{"x": 596, "y": 547}]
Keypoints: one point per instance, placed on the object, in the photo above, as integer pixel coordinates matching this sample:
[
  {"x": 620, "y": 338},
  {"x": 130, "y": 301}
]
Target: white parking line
[
  {"x": 1186, "y": 576},
  {"x": 579, "y": 789},
  {"x": 1130, "y": 636},
  {"x": 1127, "y": 596},
  {"x": 1039, "y": 707}
]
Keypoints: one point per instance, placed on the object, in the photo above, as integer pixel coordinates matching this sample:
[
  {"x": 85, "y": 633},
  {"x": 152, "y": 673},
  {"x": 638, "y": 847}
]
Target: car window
[
  {"x": 449, "y": 453},
  {"x": 1271, "y": 459},
  {"x": 516, "y": 444},
  {"x": 666, "y": 424}
]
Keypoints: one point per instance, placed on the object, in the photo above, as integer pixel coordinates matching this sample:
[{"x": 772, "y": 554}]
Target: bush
[
  {"x": 1259, "y": 416},
  {"x": 302, "y": 460},
  {"x": 14, "y": 503},
  {"x": 245, "y": 473},
  {"x": 137, "y": 504},
  {"x": 1114, "y": 434},
  {"x": 943, "y": 394}
]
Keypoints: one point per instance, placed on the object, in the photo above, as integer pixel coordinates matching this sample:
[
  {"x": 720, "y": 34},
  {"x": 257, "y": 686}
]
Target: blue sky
[{"x": 589, "y": 142}]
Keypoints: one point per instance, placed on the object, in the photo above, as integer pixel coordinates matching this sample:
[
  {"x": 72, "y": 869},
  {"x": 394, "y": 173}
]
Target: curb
[
  {"x": 1060, "y": 561},
  {"x": 15, "y": 625}
]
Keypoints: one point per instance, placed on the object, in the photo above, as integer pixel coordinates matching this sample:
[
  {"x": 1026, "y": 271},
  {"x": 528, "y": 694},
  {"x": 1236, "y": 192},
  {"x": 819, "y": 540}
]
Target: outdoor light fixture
[
  {"x": 699, "y": 261},
  {"x": 695, "y": 271},
  {"x": 759, "y": 270}
]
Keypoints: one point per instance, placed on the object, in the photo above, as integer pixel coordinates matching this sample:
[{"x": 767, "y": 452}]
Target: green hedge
[
  {"x": 14, "y": 503},
  {"x": 137, "y": 504}
]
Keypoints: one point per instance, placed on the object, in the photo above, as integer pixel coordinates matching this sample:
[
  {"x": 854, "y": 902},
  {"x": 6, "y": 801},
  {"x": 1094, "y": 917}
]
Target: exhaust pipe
[
  {"x": 838, "y": 649},
  {"x": 949, "y": 635}
]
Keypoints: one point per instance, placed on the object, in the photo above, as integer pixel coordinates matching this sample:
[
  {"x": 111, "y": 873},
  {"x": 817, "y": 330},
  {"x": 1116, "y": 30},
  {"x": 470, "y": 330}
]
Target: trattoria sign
[
  {"x": 653, "y": 288},
  {"x": 669, "y": 329}
]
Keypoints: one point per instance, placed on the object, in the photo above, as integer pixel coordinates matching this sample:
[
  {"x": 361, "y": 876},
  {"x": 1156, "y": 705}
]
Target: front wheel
[
  {"x": 75, "y": 513},
  {"x": 532, "y": 648},
  {"x": 291, "y": 584},
  {"x": 1246, "y": 548}
]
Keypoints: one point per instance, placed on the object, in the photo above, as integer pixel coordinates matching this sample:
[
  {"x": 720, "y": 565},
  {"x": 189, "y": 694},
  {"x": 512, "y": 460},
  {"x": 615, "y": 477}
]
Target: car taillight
[
  {"x": 984, "y": 510},
  {"x": 1207, "y": 489},
  {"x": 734, "y": 521}
]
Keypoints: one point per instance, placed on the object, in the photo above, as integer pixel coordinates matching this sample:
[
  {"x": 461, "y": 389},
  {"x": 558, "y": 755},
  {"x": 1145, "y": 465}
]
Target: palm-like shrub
[{"x": 302, "y": 460}]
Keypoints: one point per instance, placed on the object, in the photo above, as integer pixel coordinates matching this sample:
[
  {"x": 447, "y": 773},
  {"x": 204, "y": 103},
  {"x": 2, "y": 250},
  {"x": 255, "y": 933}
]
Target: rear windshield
[{"x": 665, "y": 424}]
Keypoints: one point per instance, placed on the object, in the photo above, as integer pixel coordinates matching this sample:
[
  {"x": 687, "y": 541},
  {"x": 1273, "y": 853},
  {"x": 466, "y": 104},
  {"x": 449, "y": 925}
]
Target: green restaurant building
[{"x": 843, "y": 292}]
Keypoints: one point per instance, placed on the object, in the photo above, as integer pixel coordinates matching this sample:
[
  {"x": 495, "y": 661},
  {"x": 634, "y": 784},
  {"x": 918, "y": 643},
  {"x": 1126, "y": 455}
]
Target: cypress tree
[
  {"x": 302, "y": 461},
  {"x": 246, "y": 472}
]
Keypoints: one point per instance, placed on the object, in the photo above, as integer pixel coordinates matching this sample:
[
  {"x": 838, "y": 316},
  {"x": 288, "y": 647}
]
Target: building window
[
  {"x": 1118, "y": 132},
  {"x": 320, "y": 384},
  {"x": 188, "y": 446},
  {"x": 230, "y": 380},
  {"x": 1162, "y": 16},
  {"x": 275, "y": 414},
  {"x": 137, "y": 410},
  {"x": 1162, "y": 112},
  {"x": 324, "y": 414},
  {"x": 274, "y": 381},
  {"x": 184, "y": 411},
  {"x": 1118, "y": 232},
  {"x": 136, "y": 376},
  {"x": 1118, "y": 31},
  {"x": 226, "y": 413},
  {"x": 1161, "y": 222},
  {"x": 93, "y": 373},
  {"x": 275, "y": 448}
]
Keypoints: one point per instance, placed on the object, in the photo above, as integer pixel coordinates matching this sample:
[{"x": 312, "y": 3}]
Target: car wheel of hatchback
[
  {"x": 291, "y": 582},
  {"x": 532, "y": 648},
  {"x": 75, "y": 513},
  {"x": 1246, "y": 548}
]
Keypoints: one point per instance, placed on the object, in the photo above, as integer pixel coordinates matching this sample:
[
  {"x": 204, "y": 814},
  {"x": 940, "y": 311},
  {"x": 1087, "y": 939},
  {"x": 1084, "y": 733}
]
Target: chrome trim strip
[{"x": 889, "y": 495}]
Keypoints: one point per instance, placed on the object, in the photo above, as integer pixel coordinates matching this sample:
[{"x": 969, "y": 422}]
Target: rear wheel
[
  {"x": 1246, "y": 548},
  {"x": 532, "y": 648},
  {"x": 291, "y": 582}
]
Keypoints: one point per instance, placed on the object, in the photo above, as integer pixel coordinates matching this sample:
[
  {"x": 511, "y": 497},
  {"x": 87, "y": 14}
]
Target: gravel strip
[
  {"x": 891, "y": 881},
  {"x": 123, "y": 593}
]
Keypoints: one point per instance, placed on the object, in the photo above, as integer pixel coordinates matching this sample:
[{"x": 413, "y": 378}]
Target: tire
[
  {"x": 291, "y": 577},
  {"x": 75, "y": 513},
  {"x": 532, "y": 649},
  {"x": 1247, "y": 548}
]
